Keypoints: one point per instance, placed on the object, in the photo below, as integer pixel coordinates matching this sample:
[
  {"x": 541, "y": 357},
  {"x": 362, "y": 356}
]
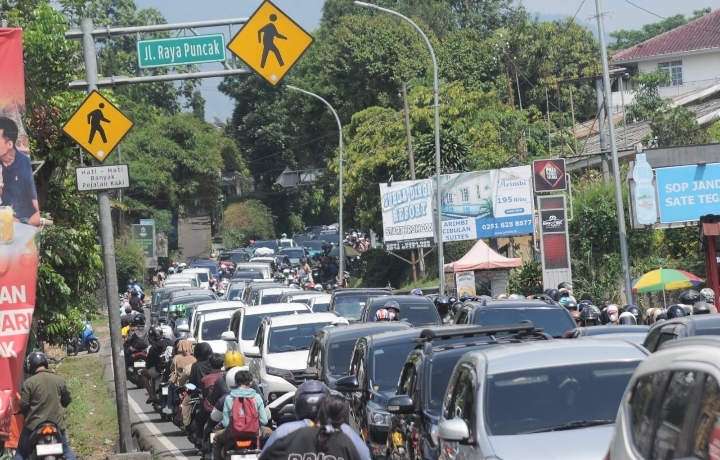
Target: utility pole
[
  {"x": 108, "y": 246},
  {"x": 411, "y": 158},
  {"x": 615, "y": 163},
  {"x": 601, "y": 132}
]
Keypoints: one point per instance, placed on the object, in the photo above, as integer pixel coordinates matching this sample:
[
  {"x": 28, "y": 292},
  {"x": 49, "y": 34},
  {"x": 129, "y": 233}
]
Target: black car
[
  {"x": 332, "y": 348},
  {"x": 349, "y": 303},
  {"x": 294, "y": 255},
  {"x": 236, "y": 256},
  {"x": 161, "y": 297},
  {"x": 635, "y": 334},
  {"x": 416, "y": 406},
  {"x": 548, "y": 315},
  {"x": 375, "y": 366},
  {"x": 212, "y": 265},
  {"x": 677, "y": 328},
  {"x": 414, "y": 309}
]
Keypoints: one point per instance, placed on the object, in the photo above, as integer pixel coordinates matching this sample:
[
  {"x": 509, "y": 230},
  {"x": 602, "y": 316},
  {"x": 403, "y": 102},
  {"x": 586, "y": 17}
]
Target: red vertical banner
[{"x": 19, "y": 220}]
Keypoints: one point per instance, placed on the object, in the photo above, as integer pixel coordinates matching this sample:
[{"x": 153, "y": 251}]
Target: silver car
[
  {"x": 538, "y": 400},
  {"x": 671, "y": 408}
]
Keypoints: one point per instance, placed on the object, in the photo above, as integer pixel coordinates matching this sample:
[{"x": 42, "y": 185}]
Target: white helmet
[
  {"x": 708, "y": 294},
  {"x": 230, "y": 376}
]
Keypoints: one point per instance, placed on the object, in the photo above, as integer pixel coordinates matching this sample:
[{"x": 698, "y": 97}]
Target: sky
[{"x": 620, "y": 14}]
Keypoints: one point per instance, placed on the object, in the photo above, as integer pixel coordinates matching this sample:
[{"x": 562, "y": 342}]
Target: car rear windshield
[
  {"x": 252, "y": 322},
  {"x": 233, "y": 256},
  {"x": 204, "y": 278},
  {"x": 314, "y": 245},
  {"x": 248, "y": 274},
  {"x": 415, "y": 314},
  {"x": 293, "y": 338},
  {"x": 339, "y": 354},
  {"x": 266, "y": 244},
  {"x": 386, "y": 363},
  {"x": 192, "y": 298},
  {"x": 293, "y": 252},
  {"x": 554, "y": 321},
  {"x": 555, "y": 398},
  {"x": 321, "y": 306},
  {"x": 213, "y": 329},
  {"x": 350, "y": 307},
  {"x": 269, "y": 298}
]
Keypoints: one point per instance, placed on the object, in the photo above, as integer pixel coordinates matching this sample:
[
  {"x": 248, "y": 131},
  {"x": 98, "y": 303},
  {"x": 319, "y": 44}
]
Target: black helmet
[
  {"x": 589, "y": 315},
  {"x": 565, "y": 285},
  {"x": 456, "y": 307},
  {"x": 155, "y": 333},
  {"x": 583, "y": 303},
  {"x": 391, "y": 304},
  {"x": 308, "y": 398},
  {"x": 554, "y": 294},
  {"x": 662, "y": 316},
  {"x": 33, "y": 361},
  {"x": 627, "y": 318},
  {"x": 690, "y": 297},
  {"x": 637, "y": 313},
  {"x": 442, "y": 300},
  {"x": 138, "y": 320},
  {"x": 571, "y": 305},
  {"x": 701, "y": 308},
  {"x": 586, "y": 296},
  {"x": 452, "y": 299},
  {"x": 675, "y": 311},
  {"x": 688, "y": 309}
]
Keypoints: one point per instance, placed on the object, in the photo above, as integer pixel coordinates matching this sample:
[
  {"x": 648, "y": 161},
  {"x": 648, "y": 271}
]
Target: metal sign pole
[{"x": 108, "y": 245}]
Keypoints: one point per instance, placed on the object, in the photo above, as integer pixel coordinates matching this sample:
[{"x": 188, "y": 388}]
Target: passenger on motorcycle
[
  {"x": 194, "y": 374},
  {"x": 389, "y": 312},
  {"x": 243, "y": 379},
  {"x": 234, "y": 362},
  {"x": 183, "y": 359},
  {"x": 157, "y": 359},
  {"x": 224, "y": 273},
  {"x": 126, "y": 319},
  {"x": 137, "y": 338},
  {"x": 43, "y": 398},
  {"x": 307, "y": 401},
  {"x": 326, "y": 439},
  {"x": 135, "y": 301},
  {"x": 207, "y": 385}
]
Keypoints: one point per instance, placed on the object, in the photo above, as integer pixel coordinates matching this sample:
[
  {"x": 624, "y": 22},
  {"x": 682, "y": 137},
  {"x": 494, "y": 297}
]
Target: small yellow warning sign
[
  {"x": 98, "y": 126},
  {"x": 270, "y": 42}
]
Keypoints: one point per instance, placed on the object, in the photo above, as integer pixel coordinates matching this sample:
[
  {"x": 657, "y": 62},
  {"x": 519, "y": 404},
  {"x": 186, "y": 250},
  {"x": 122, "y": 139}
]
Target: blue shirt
[
  {"x": 287, "y": 428},
  {"x": 19, "y": 187}
]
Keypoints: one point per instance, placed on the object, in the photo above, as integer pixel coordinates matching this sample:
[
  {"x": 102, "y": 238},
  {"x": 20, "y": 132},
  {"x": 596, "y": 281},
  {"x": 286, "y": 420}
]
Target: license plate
[
  {"x": 49, "y": 449},
  {"x": 139, "y": 364},
  {"x": 243, "y": 457},
  {"x": 164, "y": 391}
]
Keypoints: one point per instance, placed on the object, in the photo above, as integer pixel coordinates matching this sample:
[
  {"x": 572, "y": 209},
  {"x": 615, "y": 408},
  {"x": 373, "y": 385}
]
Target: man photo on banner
[{"x": 17, "y": 187}]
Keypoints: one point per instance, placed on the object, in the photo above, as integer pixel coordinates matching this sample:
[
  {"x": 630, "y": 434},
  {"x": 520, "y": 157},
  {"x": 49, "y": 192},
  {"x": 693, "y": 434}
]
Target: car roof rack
[{"x": 525, "y": 327}]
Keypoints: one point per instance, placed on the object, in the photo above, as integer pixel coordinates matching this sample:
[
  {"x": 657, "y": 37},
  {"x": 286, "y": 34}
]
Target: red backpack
[{"x": 244, "y": 418}]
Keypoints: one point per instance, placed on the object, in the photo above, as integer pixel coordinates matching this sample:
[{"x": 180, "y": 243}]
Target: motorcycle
[
  {"x": 245, "y": 449},
  {"x": 45, "y": 443},
  {"x": 88, "y": 341},
  {"x": 138, "y": 363}
]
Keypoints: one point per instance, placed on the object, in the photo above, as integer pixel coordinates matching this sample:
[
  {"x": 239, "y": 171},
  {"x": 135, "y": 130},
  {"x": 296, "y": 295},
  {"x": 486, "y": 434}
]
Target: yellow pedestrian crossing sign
[
  {"x": 98, "y": 126},
  {"x": 270, "y": 42}
]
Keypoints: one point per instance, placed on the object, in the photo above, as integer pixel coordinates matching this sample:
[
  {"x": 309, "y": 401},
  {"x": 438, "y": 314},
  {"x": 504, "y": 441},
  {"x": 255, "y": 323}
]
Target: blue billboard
[{"x": 685, "y": 193}]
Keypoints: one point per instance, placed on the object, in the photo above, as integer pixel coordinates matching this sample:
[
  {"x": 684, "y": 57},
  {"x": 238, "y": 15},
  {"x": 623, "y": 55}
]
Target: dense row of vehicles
[{"x": 495, "y": 384}]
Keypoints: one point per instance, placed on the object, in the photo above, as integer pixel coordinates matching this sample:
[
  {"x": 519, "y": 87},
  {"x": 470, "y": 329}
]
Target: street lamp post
[
  {"x": 341, "y": 250},
  {"x": 436, "y": 94}
]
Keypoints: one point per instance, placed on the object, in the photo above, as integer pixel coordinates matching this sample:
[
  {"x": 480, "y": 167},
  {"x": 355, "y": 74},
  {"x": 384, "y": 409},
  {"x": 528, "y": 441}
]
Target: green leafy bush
[{"x": 129, "y": 261}]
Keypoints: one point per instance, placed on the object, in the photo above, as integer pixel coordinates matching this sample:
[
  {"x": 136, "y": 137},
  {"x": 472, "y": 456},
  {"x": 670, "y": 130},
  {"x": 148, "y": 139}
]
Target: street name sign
[
  {"x": 270, "y": 43},
  {"x": 109, "y": 177},
  {"x": 98, "y": 126},
  {"x": 167, "y": 52}
]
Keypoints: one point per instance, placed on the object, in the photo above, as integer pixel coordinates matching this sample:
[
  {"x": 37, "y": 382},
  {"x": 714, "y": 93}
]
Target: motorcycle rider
[
  {"x": 243, "y": 379},
  {"x": 308, "y": 398},
  {"x": 137, "y": 338},
  {"x": 207, "y": 385},
  {"x": 326, "y": 439},
  {"x": 194, "y": 374},
  {"x": 183, "y": 359},
  {"x": 158, "y": 355},
  {"x": 442, "y": 304},
  {"x": 126, "y": 319},
  {"x": 224, "y": 274},
  {"x": 135, "y": 301},
  {"x": 43, "y": 398},
  {"x": 389, "y": 312}
]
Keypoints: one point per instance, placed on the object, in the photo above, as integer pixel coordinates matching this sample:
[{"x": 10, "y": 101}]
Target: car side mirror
[
  {"x": 347, "y": 384},
  {"x": 455, "y": 430},
  {"x": 183, "y": 328},
  {"x": 400, "y": 404},
  {"x": 228, "y": 336},
  {"x": 310, "y": 373},
  {"x": 252, "y": 352}
]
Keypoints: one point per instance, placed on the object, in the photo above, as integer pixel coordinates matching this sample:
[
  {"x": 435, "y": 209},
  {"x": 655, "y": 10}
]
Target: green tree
[
  {"x": 627, "y": 38},
  {"x": 247, "y": 220},
  {"x": 675, "y": 126},
  {"x": 129, "y": 261},
  {"x": 647, "y": 101},
  {"x": 454, "y": 154}
]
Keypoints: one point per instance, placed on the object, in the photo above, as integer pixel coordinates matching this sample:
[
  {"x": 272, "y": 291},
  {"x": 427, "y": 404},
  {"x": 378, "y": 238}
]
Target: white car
[
  {"x": 671, "y": 405},
  {"x": 280, "y": 351},
  {"x": 299, "y": 296},
  {"x": 320, "y": 303},
  {"x": 211, "y": 326},
  {"x": 245, "y": 321},
  {"x": 270, "y": 295},
  {"x": 204, "y": 275},
  {"x": 179, "y": 278},
  {"x": 205, "y": 308}
]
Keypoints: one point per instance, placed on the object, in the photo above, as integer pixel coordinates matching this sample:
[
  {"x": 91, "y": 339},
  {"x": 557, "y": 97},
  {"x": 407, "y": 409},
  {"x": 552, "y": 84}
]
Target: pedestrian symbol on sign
[
  {"x": 94, "y": 119},
  {"x": 270, "y": 43}
]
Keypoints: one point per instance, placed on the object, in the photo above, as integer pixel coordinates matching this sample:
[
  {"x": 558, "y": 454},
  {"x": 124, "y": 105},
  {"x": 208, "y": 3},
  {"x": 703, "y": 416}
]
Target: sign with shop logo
[{"x": 549, "y": 175}]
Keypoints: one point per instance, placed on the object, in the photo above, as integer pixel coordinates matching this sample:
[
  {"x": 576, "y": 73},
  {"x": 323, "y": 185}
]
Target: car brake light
[
  {"x": 47, "y": 430},
  {"x": 243, "y": 443}
]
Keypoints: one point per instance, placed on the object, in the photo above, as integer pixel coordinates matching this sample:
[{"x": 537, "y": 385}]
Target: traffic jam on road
[{"x": 422, "y": 376}]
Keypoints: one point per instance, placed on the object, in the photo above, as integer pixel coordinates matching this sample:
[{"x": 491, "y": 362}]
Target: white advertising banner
[
  {"x": 487, "y": 204},
  {"x": 465, "y": 282},
  {"x": 407, "y": 214}
]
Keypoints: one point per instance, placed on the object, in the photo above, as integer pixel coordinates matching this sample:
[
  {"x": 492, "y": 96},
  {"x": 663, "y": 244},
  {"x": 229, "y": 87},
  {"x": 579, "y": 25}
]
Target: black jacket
[
  {"x": 137, "y": 338},
  {"x": 157, "y": 349},
  {"x": 304, "y": 441}
]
